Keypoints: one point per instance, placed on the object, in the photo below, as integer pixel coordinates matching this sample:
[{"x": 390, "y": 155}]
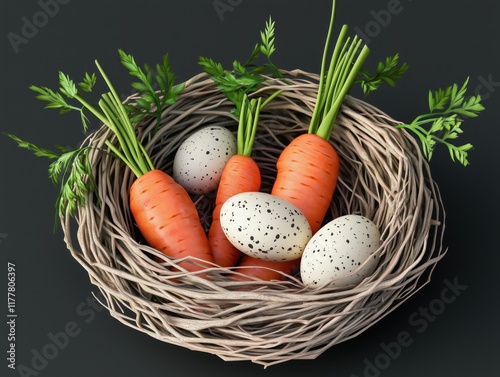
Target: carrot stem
[
  {"x": 339, "y": 51},
  {"x": 320, "y": 99},
  {"x": 137, "y": 151},
  {"x": 116, "y": 118},
  {"x": 251, "y": 127},
  {"x": 248, "y": 121},
  {"x": 240, "y": 136},
  {"x": 327, "y": 124},
  {"x": 336, "y": 80},
  {"x": 270, "y": 98}
]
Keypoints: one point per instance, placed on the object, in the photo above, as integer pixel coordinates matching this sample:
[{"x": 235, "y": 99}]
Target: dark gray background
[{"x": 443, "y": 41}]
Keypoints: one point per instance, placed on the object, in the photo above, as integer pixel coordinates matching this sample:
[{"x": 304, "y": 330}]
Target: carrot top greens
[
  {"x": 250, "y": 109},
  {"x": 245, "y": 78},
  {"x": 337, "y": 79},
  {"x": 71, "y": 168},
  {"x": 388, "y": 72},
  {"x": 447, "y": 109},
  {"x": 150, "y": 103}
]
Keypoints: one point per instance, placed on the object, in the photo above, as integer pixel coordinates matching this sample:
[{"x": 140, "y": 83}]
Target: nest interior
[{"x": 383, "y": 176}]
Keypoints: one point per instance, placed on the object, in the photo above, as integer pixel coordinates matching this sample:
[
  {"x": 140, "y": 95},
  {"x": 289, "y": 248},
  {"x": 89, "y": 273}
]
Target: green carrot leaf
[
  {"x": 67, "y": 86},
  {"x": 155, "y": 89},
  {"x": 70, "y": 169},
  {"x": 55, "y": 100},
  {"x": 253, "y": 56},
  {"x": 143, "y": 104},
  {"x": 440, "y": 98},
  {"x": 234, "y": 84},
  {"x": 267, "y": 37},
  {"x": 388, "y": 72},
  {"x": 39, "y": 152},
  {"x": 140, "y": 86},
  {"x": 245, "y": 78},
  {"x": 88, "y": 82},
  {"x": 448, "y": 108}
]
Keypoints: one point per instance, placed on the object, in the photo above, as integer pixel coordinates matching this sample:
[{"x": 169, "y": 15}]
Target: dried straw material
[{"x": 383, "y": 176}]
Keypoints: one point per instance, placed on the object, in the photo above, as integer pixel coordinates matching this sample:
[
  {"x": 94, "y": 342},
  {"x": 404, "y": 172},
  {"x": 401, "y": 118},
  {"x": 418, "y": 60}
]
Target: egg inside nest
[
  {"x": 264, "y": 226},
  {"x": 200, "y": 159},
  {"x": 341, "y": 253}
]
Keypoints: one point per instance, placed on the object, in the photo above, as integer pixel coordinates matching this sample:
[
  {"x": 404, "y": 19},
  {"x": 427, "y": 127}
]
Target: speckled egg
[
  {"x": 200, "y": 159},
  {"x": 341, "y": 252},
  {"x": 264, "y": 226}
]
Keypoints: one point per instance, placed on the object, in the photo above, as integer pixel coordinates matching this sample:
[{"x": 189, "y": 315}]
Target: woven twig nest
[{"x": 383, "y": 176}]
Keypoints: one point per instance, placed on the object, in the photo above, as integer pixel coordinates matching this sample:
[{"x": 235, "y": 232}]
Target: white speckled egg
[
  {"x": 340, "y": 253},
  {"x": 200, "y": 159},
  {"x": 264, "y": 226}
]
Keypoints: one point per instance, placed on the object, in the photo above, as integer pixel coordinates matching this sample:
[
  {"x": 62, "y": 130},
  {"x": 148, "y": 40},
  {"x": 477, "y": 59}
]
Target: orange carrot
[
  {"x": 307, "y": 176},
  {"x": 168, "y": 218},
  {"x": 307, "y": 169},
  {"x": 265, "y": 270},
  {"x": 241, "y": 174},
  {"x": 162, "y": 209}
]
